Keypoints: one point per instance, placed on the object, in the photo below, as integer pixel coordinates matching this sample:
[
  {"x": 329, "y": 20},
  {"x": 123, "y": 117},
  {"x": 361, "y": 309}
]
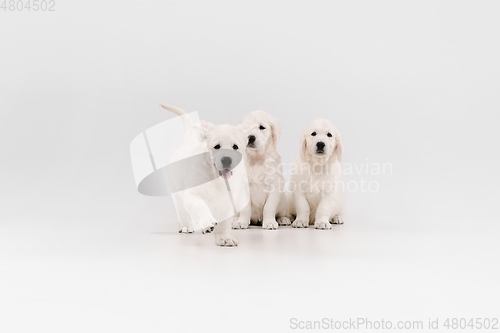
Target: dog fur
[
  {"x": 318, "y": 197},
  {"x": 268, "y": 203},
  {"x": 198, "y": 205}
]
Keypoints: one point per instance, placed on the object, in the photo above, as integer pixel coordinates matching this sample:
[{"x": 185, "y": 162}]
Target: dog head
[
  {"x": 226, "y": 144},
  {"x": 261, "y": 130},
  {"x": 322, "y": 140}
]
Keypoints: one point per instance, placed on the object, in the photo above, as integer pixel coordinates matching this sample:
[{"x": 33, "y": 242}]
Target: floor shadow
[{"x": 165, "y": 233}]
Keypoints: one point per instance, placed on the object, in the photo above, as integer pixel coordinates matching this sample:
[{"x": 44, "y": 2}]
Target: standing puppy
[
  {"x": 315, "y": 183},
  {"x": 268, "y": 203}
]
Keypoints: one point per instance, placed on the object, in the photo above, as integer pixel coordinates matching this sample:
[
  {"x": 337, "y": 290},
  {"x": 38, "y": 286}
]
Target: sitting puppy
[
  {"x": 268, "y": 203},
  {"x": 315, "y": 182},
  {"x": 200, "y": 171}
]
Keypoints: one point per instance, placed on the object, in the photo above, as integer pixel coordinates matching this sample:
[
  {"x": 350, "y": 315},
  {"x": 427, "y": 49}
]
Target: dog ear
[
  {"x": 275, "y": 125},
  {"x": 202, "y": 129},
  {"x": 241, "y": 128},
  {"x": 243, "y": 142},
  {"x": 339, "y": 147},
  {"x": 242, "y": 137},
  {"x": 303, "y": 146}
]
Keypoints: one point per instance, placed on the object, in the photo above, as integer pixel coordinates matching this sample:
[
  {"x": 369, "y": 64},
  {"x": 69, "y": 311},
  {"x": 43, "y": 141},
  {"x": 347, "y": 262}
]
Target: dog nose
[
  {"x": 320, "y": 145},
  {"x": 251, "y": 138},
  {"x": 226, "y": 161}
]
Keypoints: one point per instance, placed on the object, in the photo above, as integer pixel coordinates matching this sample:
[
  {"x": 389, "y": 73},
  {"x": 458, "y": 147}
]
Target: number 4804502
[{"x": 28, "y": 5}]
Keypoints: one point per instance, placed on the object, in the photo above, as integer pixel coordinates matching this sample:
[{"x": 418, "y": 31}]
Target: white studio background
[{"x": 412, "y": 84}]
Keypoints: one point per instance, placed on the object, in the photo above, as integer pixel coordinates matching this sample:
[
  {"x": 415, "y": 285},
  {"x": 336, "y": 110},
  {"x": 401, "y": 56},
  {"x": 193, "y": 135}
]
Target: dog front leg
[
  {"x": 185, "y": 222},
  {"x": 269, "y": 214},
  {"x": 324, "y": 212},
  {"x": 283, "y": 217},
  {"x": 243, "y": 220},
  {"x": 222, "y": 236},
  {"x": 200, "y": 213},
  {"x": 302, "y": 210}
]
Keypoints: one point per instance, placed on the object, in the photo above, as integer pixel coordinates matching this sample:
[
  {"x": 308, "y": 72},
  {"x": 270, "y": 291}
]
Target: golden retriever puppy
[
  {"x": 268, "y": 203},
  {"x": 206, "y": 163},
  {"x": 316, "y": 187}
]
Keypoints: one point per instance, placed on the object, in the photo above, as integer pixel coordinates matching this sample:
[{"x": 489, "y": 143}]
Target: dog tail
[{"x": 186, "y": 120}]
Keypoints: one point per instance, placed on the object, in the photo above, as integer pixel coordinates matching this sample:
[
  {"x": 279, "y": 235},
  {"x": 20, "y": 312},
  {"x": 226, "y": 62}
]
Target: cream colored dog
[
  {"x": 315, "y": 183},
  {"x": 218, "y": 147},
  {"x": 268, "y": 203}
]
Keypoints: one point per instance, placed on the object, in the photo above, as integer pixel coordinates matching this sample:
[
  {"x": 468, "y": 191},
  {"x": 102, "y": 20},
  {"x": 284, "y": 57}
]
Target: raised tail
[{"x": 186, "y": 120}]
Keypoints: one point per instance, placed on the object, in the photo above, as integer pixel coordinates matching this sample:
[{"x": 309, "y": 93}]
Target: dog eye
[
  {"x": 235, "y": 147},
  {"x": 313, "y": 133},
  {"x": 217, "y": 147},
  {"x": 262, "y": 127},
  {"x": 329, "y": 135}
]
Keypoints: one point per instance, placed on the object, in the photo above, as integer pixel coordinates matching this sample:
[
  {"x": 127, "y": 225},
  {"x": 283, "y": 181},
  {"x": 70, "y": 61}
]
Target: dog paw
[
  {"x": 225, "y": 240},
  {"x": 186, "y": 230},
  {"x": 298, "y": 223},
  {"x": 208, "y": 229},
  {"x": 270, "y": 225},
  {"x": 284, "y": 220},
  {"x": 240, "y": 224},
  {"x": 322, "y": 225},
  {"x": 337, "y": 220}
]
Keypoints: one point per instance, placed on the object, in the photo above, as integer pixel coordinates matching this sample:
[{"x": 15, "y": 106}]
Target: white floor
[{"x": 94, "y": 275}]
